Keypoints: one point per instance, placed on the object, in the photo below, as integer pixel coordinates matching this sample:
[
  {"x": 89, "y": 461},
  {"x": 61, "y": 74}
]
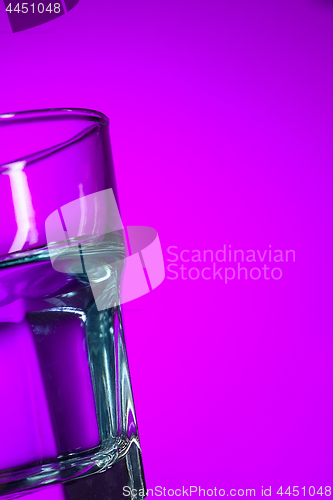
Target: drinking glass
[{"x": 66, "y": 402}]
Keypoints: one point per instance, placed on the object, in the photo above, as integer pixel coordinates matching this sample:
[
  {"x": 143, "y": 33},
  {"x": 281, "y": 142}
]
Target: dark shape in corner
[
  {"x": 28, "y": 15},
  {"x": 70, "y": 4}
]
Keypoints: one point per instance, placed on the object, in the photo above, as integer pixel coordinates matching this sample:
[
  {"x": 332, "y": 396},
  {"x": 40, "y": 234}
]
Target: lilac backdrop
[{"x": 221, "y": 129}]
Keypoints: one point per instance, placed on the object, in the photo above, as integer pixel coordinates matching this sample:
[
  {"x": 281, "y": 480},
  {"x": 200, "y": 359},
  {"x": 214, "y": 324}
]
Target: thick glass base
[
  {"x": 113, "y": 484},
  {"x": 110, "y": 482}
]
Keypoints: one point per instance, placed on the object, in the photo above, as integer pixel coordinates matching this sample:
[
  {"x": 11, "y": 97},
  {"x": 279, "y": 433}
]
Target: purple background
[{"x": 221, "y": 129}]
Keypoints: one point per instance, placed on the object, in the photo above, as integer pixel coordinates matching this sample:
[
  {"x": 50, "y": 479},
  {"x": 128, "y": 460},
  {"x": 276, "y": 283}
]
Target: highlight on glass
[{"x": 67, "y": 264}]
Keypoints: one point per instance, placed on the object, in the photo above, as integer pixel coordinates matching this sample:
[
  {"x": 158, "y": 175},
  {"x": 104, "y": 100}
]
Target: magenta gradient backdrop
[{"x": 221, "y": 130}]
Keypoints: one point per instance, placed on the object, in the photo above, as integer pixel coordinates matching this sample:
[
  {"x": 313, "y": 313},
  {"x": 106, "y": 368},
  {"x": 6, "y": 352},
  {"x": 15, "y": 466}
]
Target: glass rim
[
  {"x": 96, "y": 118},
  {"x": 50, "y": 113}
]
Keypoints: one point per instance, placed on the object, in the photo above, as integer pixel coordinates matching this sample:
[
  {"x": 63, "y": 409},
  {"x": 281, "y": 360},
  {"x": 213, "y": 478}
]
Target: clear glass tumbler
[{"x": 65, "y": 394}]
